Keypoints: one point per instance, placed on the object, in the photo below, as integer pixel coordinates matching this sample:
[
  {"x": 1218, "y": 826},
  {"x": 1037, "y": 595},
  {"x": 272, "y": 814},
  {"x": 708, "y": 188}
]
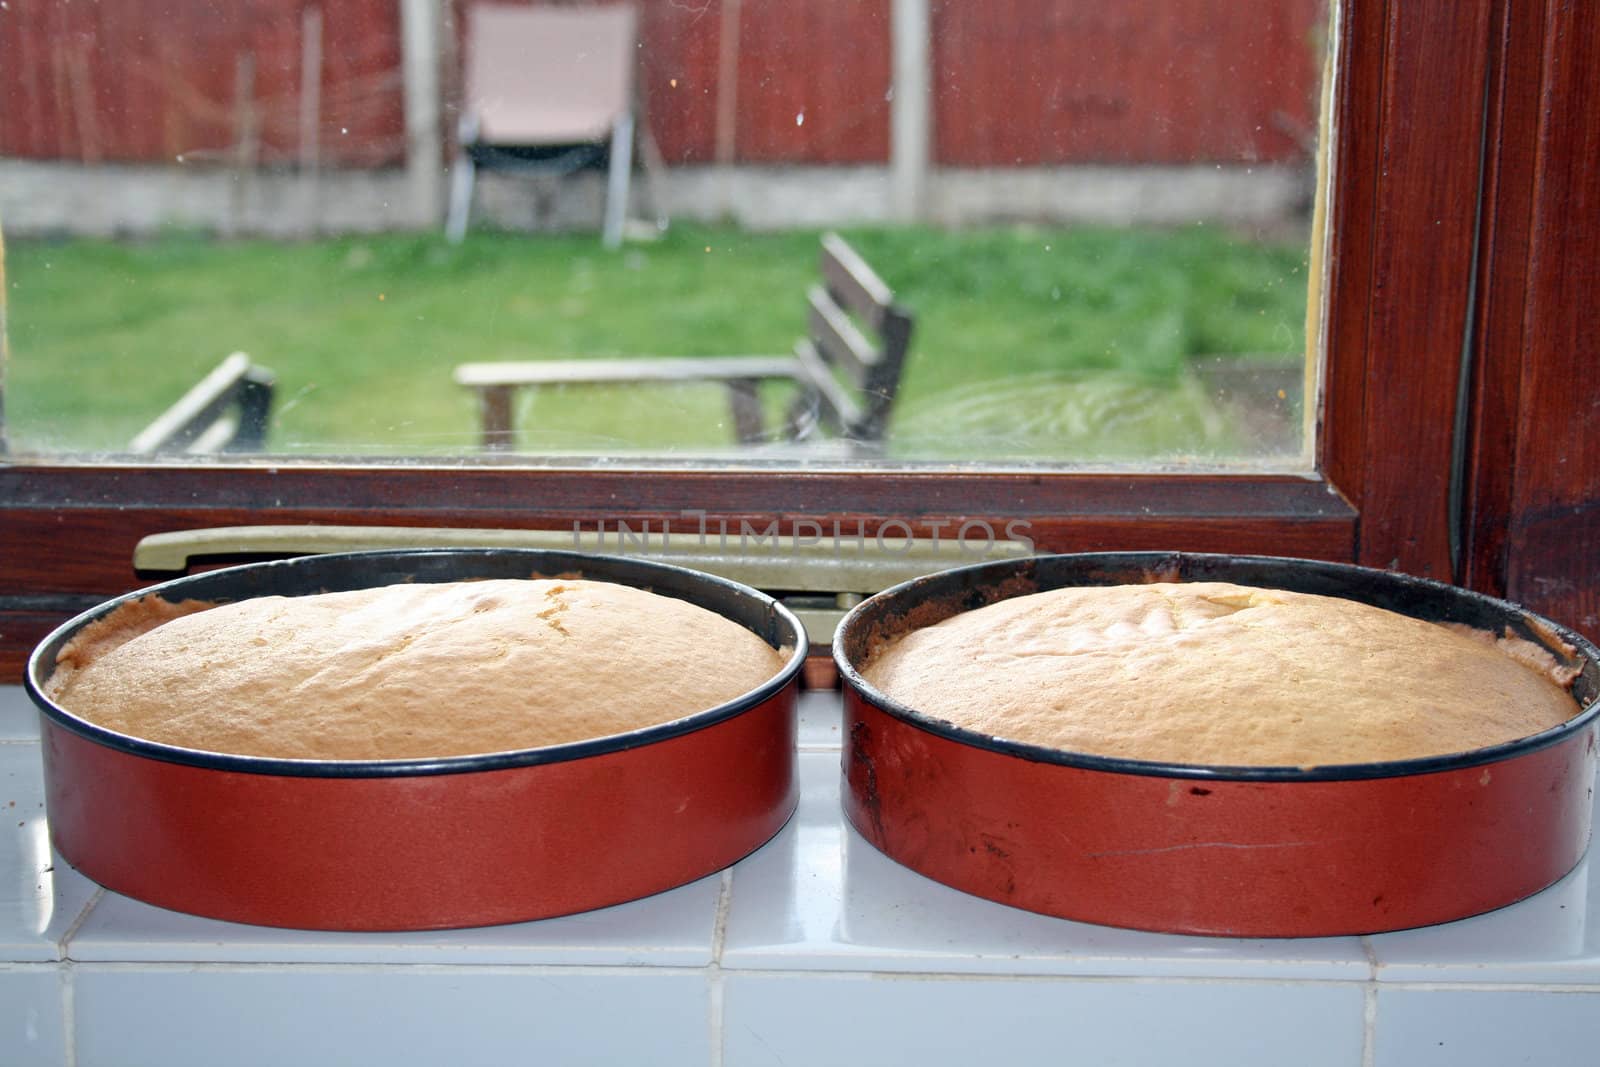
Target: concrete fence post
[
  {"x": 910, "y": 110},
  {"x": 420, "y": 50}
]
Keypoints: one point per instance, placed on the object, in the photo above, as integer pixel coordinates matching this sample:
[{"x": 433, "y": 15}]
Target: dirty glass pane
[{"x": 1096, "y": 230}]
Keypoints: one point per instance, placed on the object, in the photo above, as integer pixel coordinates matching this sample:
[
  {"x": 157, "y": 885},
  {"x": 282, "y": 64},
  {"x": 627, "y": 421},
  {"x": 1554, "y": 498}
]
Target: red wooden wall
[
  {"x": 1015, "y": 82},
  {"x": 1130, "y": 81},
  {"x": 147, "y": 80},
  {"x": 813, "y": 82},
  {"x": 678, "y": 76}
]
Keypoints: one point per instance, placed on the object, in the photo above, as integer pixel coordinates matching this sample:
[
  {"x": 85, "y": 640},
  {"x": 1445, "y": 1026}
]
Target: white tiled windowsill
[{"x": 816, "y": 949}]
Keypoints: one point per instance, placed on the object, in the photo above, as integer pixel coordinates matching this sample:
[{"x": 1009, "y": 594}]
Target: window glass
[{"x": 1096, "y": 228}]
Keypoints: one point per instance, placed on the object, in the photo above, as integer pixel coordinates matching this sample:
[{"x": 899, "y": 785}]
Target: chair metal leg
[
  {"x": 617, "y": 180},
  {"x": 654, "y": 166},
  {"x": 462, "y": 178}
]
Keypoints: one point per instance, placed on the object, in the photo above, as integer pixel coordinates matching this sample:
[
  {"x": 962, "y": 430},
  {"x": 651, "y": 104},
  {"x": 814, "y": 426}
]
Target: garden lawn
[{"x": 1030, "y": 343}]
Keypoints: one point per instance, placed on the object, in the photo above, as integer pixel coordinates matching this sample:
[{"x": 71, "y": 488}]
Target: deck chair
[{"x": 548, "y": 90}]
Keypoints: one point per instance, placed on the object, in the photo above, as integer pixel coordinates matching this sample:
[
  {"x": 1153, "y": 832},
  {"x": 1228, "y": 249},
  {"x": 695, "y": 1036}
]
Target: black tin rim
[
  {"x": 1197, "y": 566},
  {"x": 751, "y": 608}
]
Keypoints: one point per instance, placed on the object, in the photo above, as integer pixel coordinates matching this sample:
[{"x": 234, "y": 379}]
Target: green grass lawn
[{"x": 1030, "y": 343}]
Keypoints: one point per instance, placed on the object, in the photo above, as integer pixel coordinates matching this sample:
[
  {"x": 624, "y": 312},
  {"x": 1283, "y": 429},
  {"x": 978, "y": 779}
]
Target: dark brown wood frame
[
  {"x": 1531, "y": 517},
  {"x": 1412, "y": 147}
]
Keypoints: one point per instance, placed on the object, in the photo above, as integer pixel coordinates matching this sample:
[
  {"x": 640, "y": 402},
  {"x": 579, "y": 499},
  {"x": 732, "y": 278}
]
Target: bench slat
[
  {"x": 643, "y": 369},
  {"x": 838, "y": 410},
  {"x": 853, "y": 283},
  {"x": 837, "y": 338}
]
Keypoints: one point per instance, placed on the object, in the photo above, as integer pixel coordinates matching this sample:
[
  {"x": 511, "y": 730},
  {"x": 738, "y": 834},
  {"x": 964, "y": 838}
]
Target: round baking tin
[
  {"x": 1190, "y": 848},
  {"x": 426, "y": 843}
]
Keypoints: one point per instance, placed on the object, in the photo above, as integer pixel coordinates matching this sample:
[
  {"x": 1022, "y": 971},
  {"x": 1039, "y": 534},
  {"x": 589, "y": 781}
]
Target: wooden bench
[
  {"x": 226, "y": 411},
  {"x": 847, "y": 367}
]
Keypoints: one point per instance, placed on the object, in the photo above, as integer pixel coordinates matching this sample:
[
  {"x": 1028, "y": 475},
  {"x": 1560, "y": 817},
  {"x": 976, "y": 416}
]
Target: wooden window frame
[{"x": 1412, "y": 149}]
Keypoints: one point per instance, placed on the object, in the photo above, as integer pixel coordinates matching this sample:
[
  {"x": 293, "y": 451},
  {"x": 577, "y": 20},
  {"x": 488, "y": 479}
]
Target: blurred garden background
[
  {"x": 1029, "y": 341},
  {"x": 1100, "y": 217}
]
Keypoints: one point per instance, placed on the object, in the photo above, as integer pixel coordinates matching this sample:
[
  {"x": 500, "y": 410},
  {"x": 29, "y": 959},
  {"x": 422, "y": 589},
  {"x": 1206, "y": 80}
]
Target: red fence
[
  {"x": 148, "y": 80},
  {"x": 1015, "y": 82},
  {"x": 1129, "y": 81}
]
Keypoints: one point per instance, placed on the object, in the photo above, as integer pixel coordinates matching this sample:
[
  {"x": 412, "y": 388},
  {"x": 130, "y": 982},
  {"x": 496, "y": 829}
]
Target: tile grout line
[
  {"x": 322, "y": 967},
  {"x": 72, "y": 929},
  {"x": 1369, "y": 1005},
  {"x": 69, "y": 979},
  {"x": 1371, "y": 953},
  {"x": 69, "y": 1014},
  {"x": 714, "y": 990},
  {"x": 773, "y": 971},
  {"x": 719, "y": 925},
  {"x": 1420, "y": 986},
  {"x": 778, "y": 971},
  {"x": 1369, "y": 1025}
]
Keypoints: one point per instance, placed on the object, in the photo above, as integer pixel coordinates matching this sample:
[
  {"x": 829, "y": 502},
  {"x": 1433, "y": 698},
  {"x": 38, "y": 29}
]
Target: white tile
[
  {"x": 671, "y": 929},
  {"x": 395, "y": 1016},
  {"x": 39, "y": 898},
  {"x": 19, "y": 719},
  {"x": 778, "y": 1019},
  {"x": 820, "y": 715},
  {"x": 1485, "y": 1028},
  {"x": 31, "y": 1030},
  {"x": 820, "y": 897},
  {"x": 1552, "y": 937}
]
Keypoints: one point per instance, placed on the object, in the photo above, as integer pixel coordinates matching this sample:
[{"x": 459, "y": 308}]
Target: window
[
  {"x": 1097, "y": 223},
  {"x": 1383, "y": 448}
]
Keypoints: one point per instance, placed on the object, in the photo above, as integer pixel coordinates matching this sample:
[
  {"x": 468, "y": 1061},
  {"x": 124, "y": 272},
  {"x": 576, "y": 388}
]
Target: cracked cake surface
[
  {"x": 408, "y": 671},
  {"x": 1222, "y": 674}
]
